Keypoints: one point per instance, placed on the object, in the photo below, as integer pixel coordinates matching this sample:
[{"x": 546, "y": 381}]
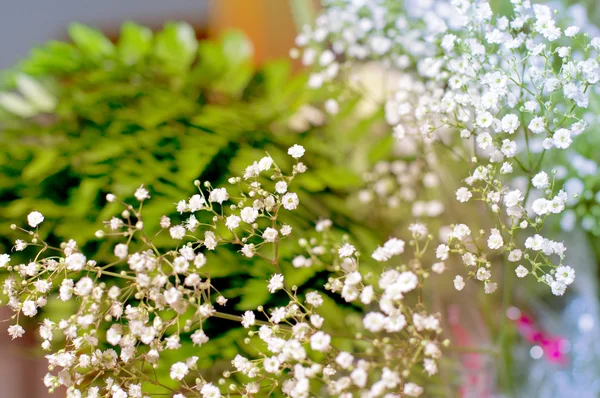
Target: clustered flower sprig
[
  {"x": 487, "y": 87},
  {"x": 129, "y": 312},
  {"x": 394, "y": 341},
  {"x": 151, "y": 296}
]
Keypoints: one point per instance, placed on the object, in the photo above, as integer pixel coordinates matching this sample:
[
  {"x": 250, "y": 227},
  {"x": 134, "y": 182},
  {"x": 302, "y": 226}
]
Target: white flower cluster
[
  {"x": 497, "y": 92},
  {"x": 296, "y": 330},
  {"x": 129, "y": 314}
]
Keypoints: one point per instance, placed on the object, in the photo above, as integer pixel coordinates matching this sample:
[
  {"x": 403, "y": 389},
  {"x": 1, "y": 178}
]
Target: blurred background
[{"x": 30, "y": 23}]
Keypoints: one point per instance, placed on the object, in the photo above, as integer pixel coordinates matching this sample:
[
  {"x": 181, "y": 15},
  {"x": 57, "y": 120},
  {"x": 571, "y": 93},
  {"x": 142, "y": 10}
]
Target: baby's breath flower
[
  {"x": 296, "y": 151},
  {"x": 35, "y": 218}
]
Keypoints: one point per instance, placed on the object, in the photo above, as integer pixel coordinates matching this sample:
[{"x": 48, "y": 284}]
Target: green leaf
[
  {"x": 340, "y": 178},
  {"x": 176, "y": 45},
  {"x": 54, "y": 57},
  {"x": 91, "y": 41},
  {"x": 45, "y": 163},
  {"x": 226, "y": 67},
  {"x": 253, "y": 294},
  {"x": 135, "y": 42},
  {"x": 381, "y": 149},
  {"x": 236, "y": 47}
]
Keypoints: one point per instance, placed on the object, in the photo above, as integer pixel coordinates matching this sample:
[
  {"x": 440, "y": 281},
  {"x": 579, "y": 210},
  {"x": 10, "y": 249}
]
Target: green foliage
[{"x": 162, "y": 109}]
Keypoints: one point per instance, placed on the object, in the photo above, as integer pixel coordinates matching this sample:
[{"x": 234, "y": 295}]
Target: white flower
[
  {"x": 484, "y": 120},
  {"x": 35, "y": 218},
  {"x": 320, "y": 341},
  {"x": 29, "y": 308},
  {"x": 463, "y": 194},
  {"x": 210, "y": 240},
  {"x": 177, "y": 232},
  {"x": 484, "y": 140},
  {"x": 180, "y": 265},
  {"x": 521, "y": 271},
  {"x": 248, "y": 250},
  {"x": 506, "y": 168},
  {"x": 509, "y": 148},
  {"x": 562, "y": 139},
  {"x": 442, "y": 252},
  {"x": 332, "y": 107},
  {"x": 314, "y": 299},
  {"x": 270, "y": 234},
  {"x": 513, "y": 198},
  {"x": 199, "y": 337},
  {"x": 210, "y": 391},
  {"x": 232, "y": 222},
  {"x": 248, "y": 319},
  {"x": 195, "y": 203},
  {"x": 296, "y": 151},
  {"x": 84, "y": 286},
  {"x": 275, "y": 283},
  {"x": 285, "y": 230},
  {"x": 483, "y": 274},
  {"x": 469, "y": 259},
  {"x": 558, "y": 288},
  {"x": 141, "y": 193},
  {"x": 218, "y": 195},
  {"x": 172, "y": 296},
  {"x": 316, "y": 320},
  {"x": 571, "y": 31},
  {"x": 265, "y": 163},
  {"x": 344, "y": 359},
  {"x": 346, "y": 251},
  {"x": 271, "y": 364},
  {"x": 537, "y": 125},
  {"x": 438, "y": 267},
  {"x": 430, "y": 366},
  {"x": 16, "y": 331},
  {"x": 495, "y": 240},
  {"x": 75, "y": 262},
  {"x": 448, "y": 42},
  {"x": 121, "y": 250},
  {"x": 565, "y": 274},
  {"x": 178, "y": 371},
  {"x": 541, "y": 180},
  {"x": 515, "y": 255},
  {"x": 281, "y": 187},
  {"x": 249, "y": 215},
  {"x": 200, "y": 260},
  {"x": 490, "y": 287},
  {"x": 374, "y": 321},
  {"x": 461, "y": 231},
  {"x": 412, "y": 390},
  {"x": 510, "y": 123},
  {"x": 541, "y": 206},
  {"x": 4, "y": 259},
  {"x": 459, "y": 282},
  {"x": 290, "y": 201}
]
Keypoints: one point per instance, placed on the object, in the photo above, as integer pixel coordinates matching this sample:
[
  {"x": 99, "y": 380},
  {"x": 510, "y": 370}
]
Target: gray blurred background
[{"x": 28, "y": 23}]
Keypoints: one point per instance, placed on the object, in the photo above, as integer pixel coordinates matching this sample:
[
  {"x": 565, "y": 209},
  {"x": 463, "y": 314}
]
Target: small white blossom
[
  {"x": 459, "y": 282},
  {"x": 275, "y": 283},
  {"x": 521, "y": 271},
  {"x": 296, "y": 151},
  {"x": 35, "y": 218}
]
